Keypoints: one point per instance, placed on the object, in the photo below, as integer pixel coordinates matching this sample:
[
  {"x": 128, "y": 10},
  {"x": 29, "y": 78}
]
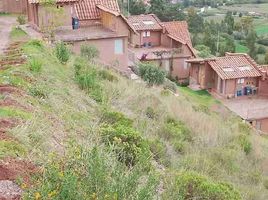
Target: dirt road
[{"x": 6, "y": 23}]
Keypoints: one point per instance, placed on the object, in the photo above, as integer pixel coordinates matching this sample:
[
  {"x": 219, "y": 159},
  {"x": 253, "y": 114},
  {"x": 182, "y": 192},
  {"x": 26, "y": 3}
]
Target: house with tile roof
[
  {"x": 100, "y": 24},
  {"x": 233, "y": 75},
  {"x": 168, "y": 44}
]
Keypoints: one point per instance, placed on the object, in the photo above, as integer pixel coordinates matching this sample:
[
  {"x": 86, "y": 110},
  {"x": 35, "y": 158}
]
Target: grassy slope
[{"x": 67, "y": 113}]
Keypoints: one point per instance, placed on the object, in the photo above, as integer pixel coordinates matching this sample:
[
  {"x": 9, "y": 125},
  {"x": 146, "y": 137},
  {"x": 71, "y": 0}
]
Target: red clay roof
[
  {"x": 87, "y": 9},
  {"x": 145, "y": 22},
  {"x": 58, "y": 1},
  {"x": 234, "y": 66},
  {"x": 178, "y": 30}
]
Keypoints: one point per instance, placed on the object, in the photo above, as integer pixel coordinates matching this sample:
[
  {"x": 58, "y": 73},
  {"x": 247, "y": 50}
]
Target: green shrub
[
  {"x": 91, "y": 174},
  {"x": 35, "y": 65},
  {"x": 11, "y": 149},
  {"x": 106, "y": 75},
  {"x": 159, "y": 151},
  {"x": 79, "y": 63},
  {"x": 174, "y": 129},
  {"x": 151, "y": 74},
  {"x": 175, "y": 132},
  {"x": 62, "y": 52},
  {"x": 245, "y": 143},
  {"x": 165, "y": 92},
  {"x": 191, "y": 185},
  {"x": 21, "y": 19},
  {"x": 127, "y": 142},
  {"x": 89, "y": 52},
  {"x": 113, "y": 118},
  {"x": 117, "y": 130},
  {"x": 36, "y": 43},
  {"x": 261, "y": 50},
  {"x": 38, "y": 91}
]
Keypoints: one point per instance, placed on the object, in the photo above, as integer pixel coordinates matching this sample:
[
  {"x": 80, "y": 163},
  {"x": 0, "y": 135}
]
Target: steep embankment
[{"x": 92, "y": 134}]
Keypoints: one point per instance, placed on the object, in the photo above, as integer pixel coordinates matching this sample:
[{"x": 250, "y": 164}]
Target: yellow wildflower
[{"x": 37, "y": 196}]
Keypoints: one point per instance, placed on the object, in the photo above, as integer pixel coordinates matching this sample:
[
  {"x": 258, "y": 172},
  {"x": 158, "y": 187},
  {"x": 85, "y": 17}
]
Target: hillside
[{"x": 78, "y": 131}]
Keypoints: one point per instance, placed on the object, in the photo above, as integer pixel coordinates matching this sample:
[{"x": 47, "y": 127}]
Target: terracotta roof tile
[
  {"x": 58, "y": 1},
  {"x": 178, "y": 30},
  {"x": 234, "y": 66},
  {"x": 145, "y": 22},
  {"x": 87, "y": 9}
]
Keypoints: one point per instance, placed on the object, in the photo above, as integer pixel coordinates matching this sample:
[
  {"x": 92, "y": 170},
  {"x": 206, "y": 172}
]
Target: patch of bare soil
[
  {"x": 9, "y": 190},
  {"x": 12, "y": 169},
  {"x": 6, "y": 124},
  {"x": 9, "y": 89},
  {"x": 4, "y": 136},
  {"x": 8, "y": 101}
]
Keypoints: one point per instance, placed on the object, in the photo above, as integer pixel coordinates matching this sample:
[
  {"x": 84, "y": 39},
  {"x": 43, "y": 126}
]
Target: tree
[
  {"x": 157, "y": 7},
  {"x": 167, "y": 11},
  {"x": 195, "y": 21},
  {"x": 151, "y": 74},
  {"x": 203, "y": 51},
  {"x": 229, "y": 20},
  {"x": 54, "y": 18},
  {"x": 137, "y": 7},
  {"x": 250, "y": 41},
  {"x": 227, "y": 45},
  {"x": 266, "y": 58},
  {"x": 246, "y": 23}
]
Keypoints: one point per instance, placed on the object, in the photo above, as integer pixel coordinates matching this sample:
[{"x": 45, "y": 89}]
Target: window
[
  {"x": 146, "y": 34},
  {"x": 240, "y": 81},
  {"x": 185, "y": 66},
  {"x": 118, "y": 46}
]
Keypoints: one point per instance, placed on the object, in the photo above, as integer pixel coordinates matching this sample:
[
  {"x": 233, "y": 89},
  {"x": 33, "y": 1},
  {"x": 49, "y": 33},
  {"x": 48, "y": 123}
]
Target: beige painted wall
[{"x": 106, "y": 49}]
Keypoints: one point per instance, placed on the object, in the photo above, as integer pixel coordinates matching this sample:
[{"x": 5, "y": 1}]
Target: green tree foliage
[
  {"x": 166, "y": 11},
  {"x": 151, "y": 74},
  {"x": 203, "y": 51},
  {"x": 266, "y": 58},
  {"x": 117, "y": 130},
  {"x": 195, "y": 21},
  {"x": 191, "y": 185},
  {"x": 229, "y": 20},
  {"x": 62, "y": 52},
  {"x": 250, "y": 42},
  {"x": 246, "y": 24},
  {"x": 137, "y": 7},
  {"x": 227, "y": 45},
  {"x": 89, "y": 52},
  {"x": 91, "y": 174}
]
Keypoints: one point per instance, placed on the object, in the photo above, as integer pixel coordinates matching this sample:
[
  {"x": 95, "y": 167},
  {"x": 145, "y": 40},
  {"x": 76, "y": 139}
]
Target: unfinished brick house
[
  {"x": 13, "y": 6},
  {"x": 100, "y": 24},
  {"x": 168, "y": 44}
]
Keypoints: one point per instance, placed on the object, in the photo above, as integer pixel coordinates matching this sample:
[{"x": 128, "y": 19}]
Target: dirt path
[{"x": 6, "y": 23}]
